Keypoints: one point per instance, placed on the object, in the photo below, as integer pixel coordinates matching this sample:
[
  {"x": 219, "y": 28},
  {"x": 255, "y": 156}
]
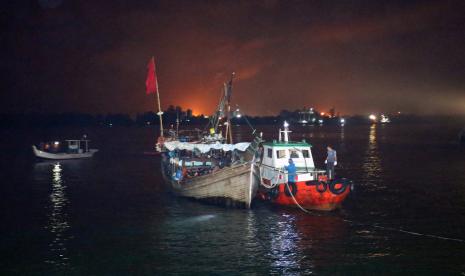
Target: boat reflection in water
[{"x": 58, "y": 224}]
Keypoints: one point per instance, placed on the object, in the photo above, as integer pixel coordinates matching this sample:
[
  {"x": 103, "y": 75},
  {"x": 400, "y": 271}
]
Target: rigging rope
[{"x": 250, "y": 125}]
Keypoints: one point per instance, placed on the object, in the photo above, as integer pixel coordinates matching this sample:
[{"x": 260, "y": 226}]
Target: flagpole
[{"x": 160, "y": 113}]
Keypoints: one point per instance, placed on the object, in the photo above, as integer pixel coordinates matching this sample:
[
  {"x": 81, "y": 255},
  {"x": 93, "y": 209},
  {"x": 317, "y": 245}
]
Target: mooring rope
[
  {"x": 271, "y": 186},
  {"x": 381, "y": 227},
  {"x": 370, "y": 225},
  {"x": 301, "y": 208},
  {"x": 407, "y": 232}
]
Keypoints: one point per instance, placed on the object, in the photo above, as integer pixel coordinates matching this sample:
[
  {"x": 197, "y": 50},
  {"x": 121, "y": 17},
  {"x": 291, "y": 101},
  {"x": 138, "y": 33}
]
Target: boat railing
[{"x": 280, "y": 175}]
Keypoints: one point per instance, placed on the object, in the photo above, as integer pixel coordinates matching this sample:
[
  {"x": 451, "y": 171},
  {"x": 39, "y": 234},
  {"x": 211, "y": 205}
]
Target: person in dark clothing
[{"x": 331, "y": 161}]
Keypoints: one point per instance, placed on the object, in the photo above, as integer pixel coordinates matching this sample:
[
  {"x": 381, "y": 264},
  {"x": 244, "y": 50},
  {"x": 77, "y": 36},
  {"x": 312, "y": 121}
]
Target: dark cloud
[{"x": 360, "y": 57}]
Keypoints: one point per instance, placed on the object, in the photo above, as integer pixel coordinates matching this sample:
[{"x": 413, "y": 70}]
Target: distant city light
[
  {"x": 343, "y": 120},
  {"x": 56, "y": 143},
  {"x": 372, "y": 117},
  {"x": 320, "y": 121},
  {"x": 286, "y": 124},
  {"x": 322, "y": 114},
  {"x": 238, "y": 113},
  {"x": 205, "y": 116}
]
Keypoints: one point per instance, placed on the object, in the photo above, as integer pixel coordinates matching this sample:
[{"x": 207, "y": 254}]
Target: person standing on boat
[
  {"x": 291, "y": 171},
  {"x": 331, "y": 161}
]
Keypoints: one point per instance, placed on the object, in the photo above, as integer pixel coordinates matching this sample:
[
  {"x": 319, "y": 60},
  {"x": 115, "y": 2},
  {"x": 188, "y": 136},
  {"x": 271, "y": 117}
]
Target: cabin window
[
  {"x": 270, "y": 153},
  {"x": 294, "y": 154},
  {"x": 306, "y": 153},
  {"x": 281, "y": 154},
  {"x": 73, "y": 145}
]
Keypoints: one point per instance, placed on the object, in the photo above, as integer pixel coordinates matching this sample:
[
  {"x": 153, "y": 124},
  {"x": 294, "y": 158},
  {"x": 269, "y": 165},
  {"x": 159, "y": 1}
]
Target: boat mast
[
  {"x": 177, "y": 123},
  {"x": 224, "y": 110},
  {"x": 228, "y": 92}
]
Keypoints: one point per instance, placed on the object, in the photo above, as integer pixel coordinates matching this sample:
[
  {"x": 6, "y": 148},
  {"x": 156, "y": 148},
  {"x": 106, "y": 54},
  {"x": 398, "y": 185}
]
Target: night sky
[{"x": 355, "y": 56}]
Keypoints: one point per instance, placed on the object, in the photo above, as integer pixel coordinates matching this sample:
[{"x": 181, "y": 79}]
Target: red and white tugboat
[{"x": 311, "y": 190}]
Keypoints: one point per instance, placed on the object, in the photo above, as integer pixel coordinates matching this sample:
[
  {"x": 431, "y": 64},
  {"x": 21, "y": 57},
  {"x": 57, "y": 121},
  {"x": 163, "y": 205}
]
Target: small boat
[
  {"x": 311, "y": 189},
  {"x": 74, "y": 149}
]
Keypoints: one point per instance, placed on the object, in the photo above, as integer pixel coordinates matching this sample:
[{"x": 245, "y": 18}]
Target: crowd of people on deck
[{"x": 189, "y": 164}]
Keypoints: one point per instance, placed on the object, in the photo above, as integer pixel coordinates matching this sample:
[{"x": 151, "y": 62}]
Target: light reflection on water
[
  {"x": 371, "y": 165},
  {"x": 58, "y": 224},
  {"x": 284, "y": 248}
]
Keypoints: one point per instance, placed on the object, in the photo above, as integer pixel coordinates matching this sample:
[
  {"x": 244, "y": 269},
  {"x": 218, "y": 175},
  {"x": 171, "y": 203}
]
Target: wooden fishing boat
[
  {"x": 74, "y": 149},
  {"x": 311, "y": 189},
  {"x": 208, "y": 168},
  {"x": 212, "y": 179}
]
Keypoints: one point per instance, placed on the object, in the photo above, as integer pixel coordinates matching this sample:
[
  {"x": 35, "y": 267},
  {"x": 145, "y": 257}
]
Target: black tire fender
[{"x": 345, "y": 183}]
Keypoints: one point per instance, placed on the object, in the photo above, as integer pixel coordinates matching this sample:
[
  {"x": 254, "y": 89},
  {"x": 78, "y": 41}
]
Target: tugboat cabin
[{"x": 276, "y": 157}]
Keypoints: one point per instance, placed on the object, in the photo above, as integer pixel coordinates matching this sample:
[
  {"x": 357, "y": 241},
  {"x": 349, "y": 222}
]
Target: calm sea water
[{"x": 112, "y": 215}]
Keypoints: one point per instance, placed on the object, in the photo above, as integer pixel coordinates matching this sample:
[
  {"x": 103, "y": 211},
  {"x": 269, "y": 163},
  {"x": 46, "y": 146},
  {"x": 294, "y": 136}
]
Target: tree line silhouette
[{"x": 170, "y": 117}]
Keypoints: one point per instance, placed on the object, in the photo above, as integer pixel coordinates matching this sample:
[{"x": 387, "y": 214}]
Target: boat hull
[
  {"x": 234, "y": 186},
  {"x": 311, "y": 195},
  {"x": 62, "y": 156}
]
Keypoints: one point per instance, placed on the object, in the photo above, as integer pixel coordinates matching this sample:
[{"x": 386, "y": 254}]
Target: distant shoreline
[{"x": 32, "y": 120}]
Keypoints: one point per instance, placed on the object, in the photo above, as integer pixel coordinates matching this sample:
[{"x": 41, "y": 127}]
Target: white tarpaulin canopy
[{"x": 204, "y": 148}]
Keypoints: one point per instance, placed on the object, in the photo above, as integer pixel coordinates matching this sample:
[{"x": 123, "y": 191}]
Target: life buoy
[
  {"x": 293, "y": 187},
  {"x": 344, "y": 184},
  {"x": 321, "y": 187}
]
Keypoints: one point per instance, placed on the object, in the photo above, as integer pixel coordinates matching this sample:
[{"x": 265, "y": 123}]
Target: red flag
[{"x": 151, "y": 83}]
